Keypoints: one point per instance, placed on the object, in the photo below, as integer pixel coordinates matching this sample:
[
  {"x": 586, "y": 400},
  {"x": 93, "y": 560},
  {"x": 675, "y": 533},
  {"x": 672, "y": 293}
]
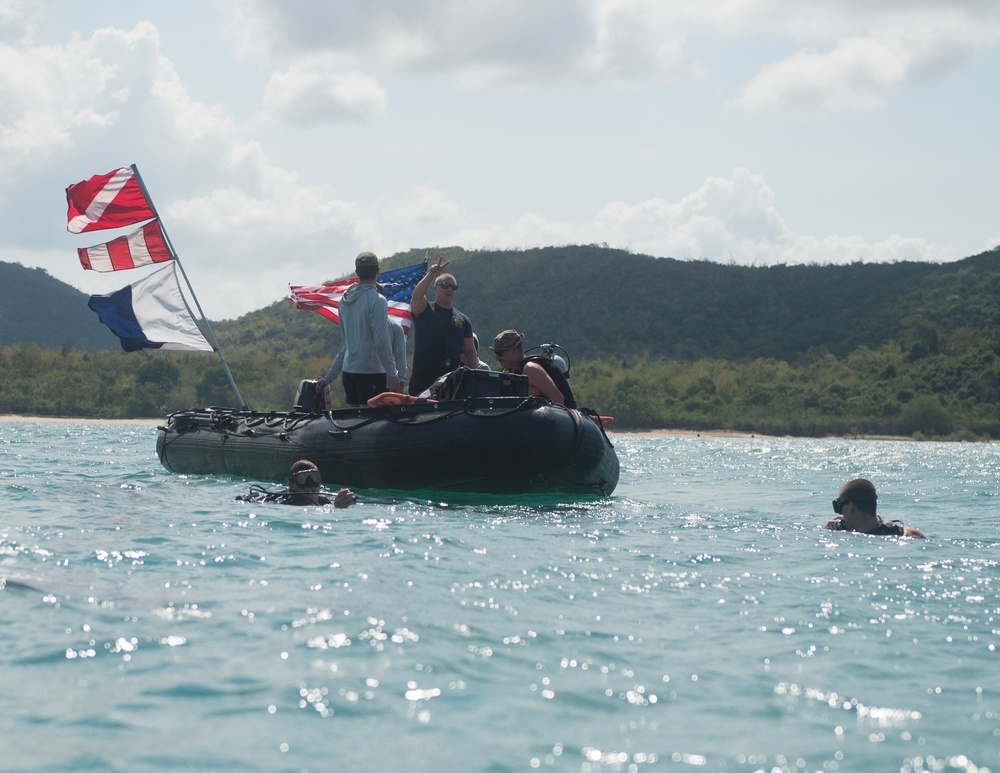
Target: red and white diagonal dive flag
[
  {"x": 107, "y": 200},
  {"x": 143, "y": 247}
]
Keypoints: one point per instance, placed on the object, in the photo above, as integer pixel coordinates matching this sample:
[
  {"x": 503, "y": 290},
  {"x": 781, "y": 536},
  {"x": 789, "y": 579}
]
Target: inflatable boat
[{"x": 487, "y": 439}]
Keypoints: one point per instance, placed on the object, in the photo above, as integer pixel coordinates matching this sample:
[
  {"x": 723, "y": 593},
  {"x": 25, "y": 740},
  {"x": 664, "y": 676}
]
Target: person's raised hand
[{"x": 435, "y": 269}]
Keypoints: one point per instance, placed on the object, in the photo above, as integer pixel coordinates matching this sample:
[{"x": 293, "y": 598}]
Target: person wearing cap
[
  {"x": 544, "y": 378},
  {"x": 369, "y": 367},
  {"x": 304, "y": 483},
  {"x": 856, "y": 507},
  {"x": 442, "y": 335}
]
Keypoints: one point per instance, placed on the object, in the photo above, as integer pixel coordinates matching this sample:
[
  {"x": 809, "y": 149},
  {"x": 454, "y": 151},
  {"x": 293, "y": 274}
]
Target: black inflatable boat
[{"x": 504, "y": 444}]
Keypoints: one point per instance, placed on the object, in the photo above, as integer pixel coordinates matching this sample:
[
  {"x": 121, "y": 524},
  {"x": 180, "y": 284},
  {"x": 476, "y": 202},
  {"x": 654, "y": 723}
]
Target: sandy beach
[
  {"x": 691, "y": 433},
  {"x": 53, "y": 419},
  {"x": 736, "y": 434},
  {"x": 707, "y": 433}
]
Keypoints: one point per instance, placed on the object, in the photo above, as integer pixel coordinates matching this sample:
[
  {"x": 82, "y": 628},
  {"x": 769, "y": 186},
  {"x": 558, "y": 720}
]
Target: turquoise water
[{"x": 698, "y": 620}]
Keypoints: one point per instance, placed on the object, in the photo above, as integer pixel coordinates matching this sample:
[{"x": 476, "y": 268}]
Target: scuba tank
[
  {"x": 555, "y": 360},
  {"x": 555, "y": 354}
]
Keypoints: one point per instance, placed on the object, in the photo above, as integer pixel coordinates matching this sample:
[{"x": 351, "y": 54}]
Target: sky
[{"x": 278, "y": 139}]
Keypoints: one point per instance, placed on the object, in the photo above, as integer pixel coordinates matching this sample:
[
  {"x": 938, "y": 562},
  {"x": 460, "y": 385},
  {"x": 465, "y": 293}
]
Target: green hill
[
  {"x": 890, "y": 349},
  {"x": 598, "y": 302},
  {"x": 38, "y": 309}
]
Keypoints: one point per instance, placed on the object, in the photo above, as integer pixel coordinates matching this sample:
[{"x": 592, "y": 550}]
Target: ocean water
[{"x": 700, "y": 619}]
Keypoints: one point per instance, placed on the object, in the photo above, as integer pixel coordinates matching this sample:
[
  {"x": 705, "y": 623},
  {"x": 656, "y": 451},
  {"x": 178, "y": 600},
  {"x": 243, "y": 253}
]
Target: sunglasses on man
[{"x": 447, "y": 285}]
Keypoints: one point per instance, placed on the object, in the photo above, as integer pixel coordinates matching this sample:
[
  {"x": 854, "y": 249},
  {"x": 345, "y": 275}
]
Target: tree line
[
  {"x": 872, "y": 349},
  {"x": 952, "y": 392}
]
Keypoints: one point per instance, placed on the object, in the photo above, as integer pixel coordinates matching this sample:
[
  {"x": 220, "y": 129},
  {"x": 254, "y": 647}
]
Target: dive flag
[
  {"x": 151, "y": 314},
  {"x": 397, "y": 285},
  {"x": 109, "y": 200},
  {"x": 143, "y": 247}
]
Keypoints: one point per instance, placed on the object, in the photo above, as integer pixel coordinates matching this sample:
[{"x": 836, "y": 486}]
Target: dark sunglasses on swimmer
[
  {"x": 307, "y": 479},
  {"x": 838, "y": 505},
  {"x": 447, "y": 285}
]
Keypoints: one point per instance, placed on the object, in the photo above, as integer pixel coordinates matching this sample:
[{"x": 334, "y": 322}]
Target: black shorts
[{"x": 359, "y": 388}]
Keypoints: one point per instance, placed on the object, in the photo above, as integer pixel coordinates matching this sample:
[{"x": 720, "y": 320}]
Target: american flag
[{"x": 397, "y": 285}]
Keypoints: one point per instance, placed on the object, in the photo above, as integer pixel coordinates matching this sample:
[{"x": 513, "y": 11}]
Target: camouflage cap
[{"x": 508, "y": 339}]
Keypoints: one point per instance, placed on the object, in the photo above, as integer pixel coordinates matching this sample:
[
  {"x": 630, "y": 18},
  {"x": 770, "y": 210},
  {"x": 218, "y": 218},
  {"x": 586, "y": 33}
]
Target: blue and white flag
[{"x": 151, "y": 314}]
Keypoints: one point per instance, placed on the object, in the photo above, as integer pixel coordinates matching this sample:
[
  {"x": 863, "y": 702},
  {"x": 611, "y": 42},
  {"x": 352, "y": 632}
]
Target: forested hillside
[
  {"x": 39, "y": 309},
  {"x": 599, "y": 302},
  {"x": 904, "y": 349}
]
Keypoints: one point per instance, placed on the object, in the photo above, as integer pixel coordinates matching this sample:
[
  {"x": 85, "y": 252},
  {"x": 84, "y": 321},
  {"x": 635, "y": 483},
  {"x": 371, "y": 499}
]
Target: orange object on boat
[{"x": 393, "y": 398}]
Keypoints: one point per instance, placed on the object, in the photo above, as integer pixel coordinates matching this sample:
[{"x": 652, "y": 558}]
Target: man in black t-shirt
[{"x": 442, "y": 335}]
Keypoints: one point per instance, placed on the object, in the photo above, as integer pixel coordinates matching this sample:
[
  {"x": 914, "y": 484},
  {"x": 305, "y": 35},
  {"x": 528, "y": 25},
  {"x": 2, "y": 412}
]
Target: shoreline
[
  {"x": 685, "y": 433},
  {"x": 731, "y": 433},
  {"x": 54, "y": 419}
]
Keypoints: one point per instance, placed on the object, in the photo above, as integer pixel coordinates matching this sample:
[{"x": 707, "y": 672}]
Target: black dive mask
[
  {"x": 307, "y": 479},
  {"x": 867, "y": 497}
]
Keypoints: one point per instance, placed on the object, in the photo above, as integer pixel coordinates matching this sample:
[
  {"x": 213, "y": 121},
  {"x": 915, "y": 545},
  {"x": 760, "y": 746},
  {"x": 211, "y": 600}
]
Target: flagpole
[{"x": 204, "y": 320}]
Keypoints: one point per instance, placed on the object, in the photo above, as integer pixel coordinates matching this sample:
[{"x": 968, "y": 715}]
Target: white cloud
[
  {"x": 113, "y": 98},
  {"x": 47, "y": 94},
  {"x": 858, "y": 51},
  {"x": 485, "y": 42},
  {"x": 726, "y": 219},
  {"x": 862, "y": 71},
  {"x": 425, "y": 205},
  {"x": 247, "y": 203},
  {"x": 54, "y": 98},
  {"x": 313, "y": 91},
  {"x": 859, "y": 73}
]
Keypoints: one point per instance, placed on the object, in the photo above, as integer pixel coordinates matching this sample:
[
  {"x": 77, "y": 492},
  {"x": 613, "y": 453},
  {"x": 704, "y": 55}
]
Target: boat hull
[{"x": 509, "y": 445}]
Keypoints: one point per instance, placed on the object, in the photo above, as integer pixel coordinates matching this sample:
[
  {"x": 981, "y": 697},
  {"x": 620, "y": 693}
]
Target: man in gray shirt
[{"x": 369, "y": 365}]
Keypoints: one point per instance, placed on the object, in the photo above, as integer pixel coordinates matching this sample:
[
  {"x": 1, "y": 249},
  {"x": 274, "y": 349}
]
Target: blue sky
[{"x": 278, "y": 139}]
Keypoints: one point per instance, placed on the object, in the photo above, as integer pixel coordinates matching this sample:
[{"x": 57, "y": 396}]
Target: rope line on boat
[
  {"x": 528, "y": 402},
  {"x": 400, "y": 417},
  {"x": 596, "y": 418},
  {"x": 418, "y": 420},
  {"x": 287, "y": 421},
  {"x": 359, "y": 425}
]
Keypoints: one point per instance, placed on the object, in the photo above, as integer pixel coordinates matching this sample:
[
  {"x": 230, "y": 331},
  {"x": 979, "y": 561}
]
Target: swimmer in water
[
  {"x": 304, "y": 483},
  {"x": 856, "y": 507}
]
